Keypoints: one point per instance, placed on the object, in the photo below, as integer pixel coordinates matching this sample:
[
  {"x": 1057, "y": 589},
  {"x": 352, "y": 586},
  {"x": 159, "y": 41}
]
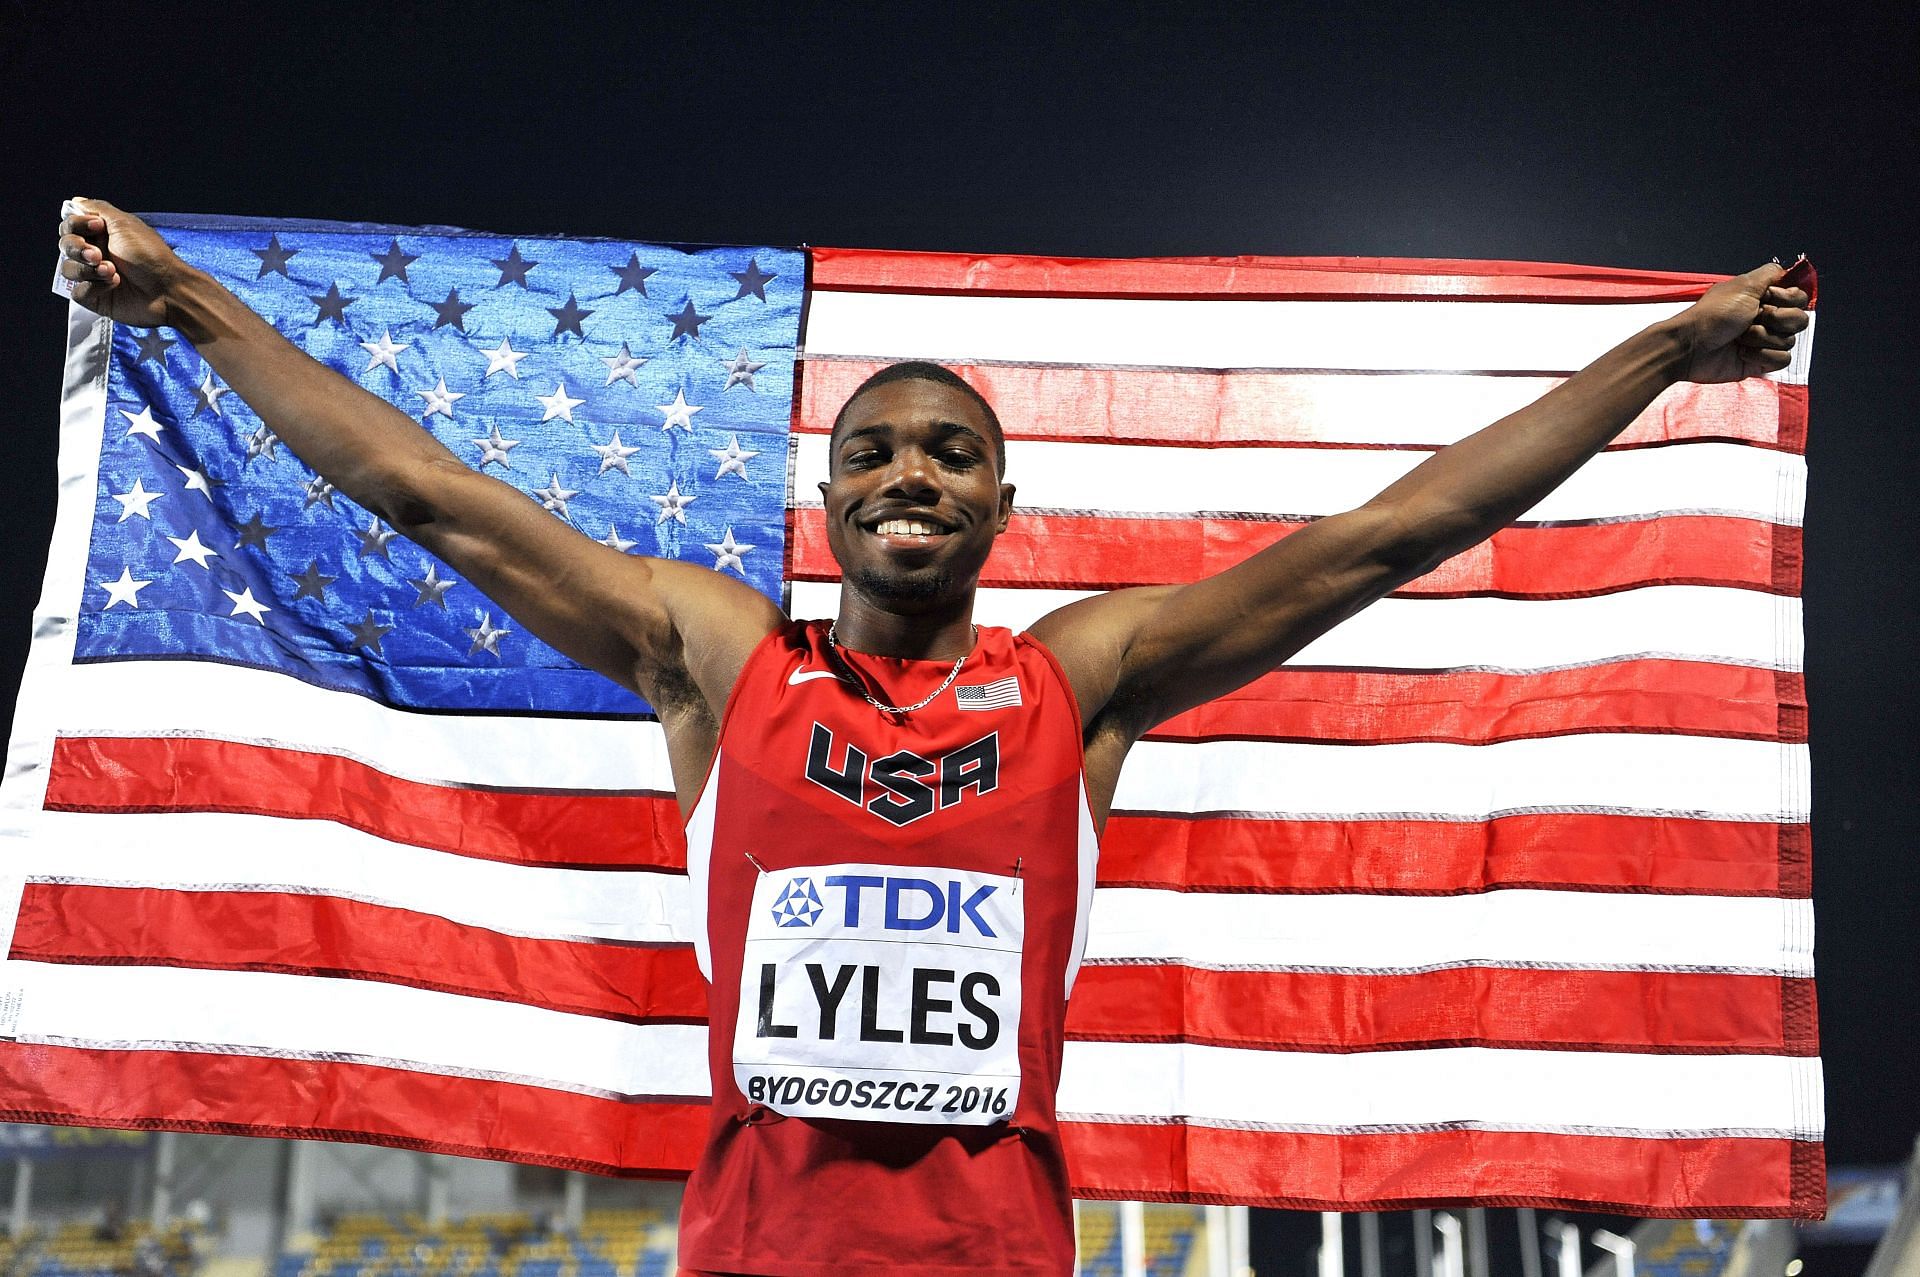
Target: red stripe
[
  {"x": 554, "y": 828},
  {"x": 329, "y": 936},
  {"x": 1106, "y": 552},
  {"x": 1727, "y": 1178},
  {"x": 1199, "y": 853},
  {"x": 306, "y": 1099},
  {"x": 1793, "y": 417},
  {"x": 1349, "y": 278},
  {"x": 1471, "y": 708},
  {"x": 248, "y": 1095},
  {"x": 1199, "y": 408},
  {"x": 326, "y": 936},
  {"x": 1483, "y": 1006},
  {"x": 1438, "y": 857}
]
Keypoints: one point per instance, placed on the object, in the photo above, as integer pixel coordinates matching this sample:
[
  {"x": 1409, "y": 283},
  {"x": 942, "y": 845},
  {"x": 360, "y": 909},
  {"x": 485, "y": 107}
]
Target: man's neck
[{"x": 942, "y": 633}]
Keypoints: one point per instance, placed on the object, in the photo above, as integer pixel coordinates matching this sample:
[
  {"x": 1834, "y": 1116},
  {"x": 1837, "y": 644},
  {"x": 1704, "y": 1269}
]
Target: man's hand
[
  {"x": 116, "y": 263},
  {"x": 1743, "y": 327}
]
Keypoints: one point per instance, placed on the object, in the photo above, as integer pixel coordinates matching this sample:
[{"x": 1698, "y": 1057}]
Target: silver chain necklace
[{"x": 852, "y": 680}]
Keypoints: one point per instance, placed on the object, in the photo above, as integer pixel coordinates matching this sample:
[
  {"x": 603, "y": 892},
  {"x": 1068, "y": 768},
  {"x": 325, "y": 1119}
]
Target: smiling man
[{"x": 892, "y": 817}]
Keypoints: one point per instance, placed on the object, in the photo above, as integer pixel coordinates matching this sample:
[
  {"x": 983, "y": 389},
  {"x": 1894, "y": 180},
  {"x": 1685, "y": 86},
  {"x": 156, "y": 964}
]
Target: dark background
[{"x": 1700, "y": 137}]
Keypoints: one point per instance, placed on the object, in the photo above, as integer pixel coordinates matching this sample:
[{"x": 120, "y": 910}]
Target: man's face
[{"x": 915, "y": 498}]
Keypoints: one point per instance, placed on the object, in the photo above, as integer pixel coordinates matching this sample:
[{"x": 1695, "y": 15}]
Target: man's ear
[
  {"x": 1006, "y": 505},
  {"x": 824, "y": 484}
]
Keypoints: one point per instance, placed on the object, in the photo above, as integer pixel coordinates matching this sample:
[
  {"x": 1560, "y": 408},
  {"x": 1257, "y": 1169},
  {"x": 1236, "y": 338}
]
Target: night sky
[{"x": 1704, "y": 138}]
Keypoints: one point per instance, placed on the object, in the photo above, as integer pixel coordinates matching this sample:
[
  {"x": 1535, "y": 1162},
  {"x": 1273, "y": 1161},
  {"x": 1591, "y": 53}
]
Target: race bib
[{"x": 883, "y": 994}]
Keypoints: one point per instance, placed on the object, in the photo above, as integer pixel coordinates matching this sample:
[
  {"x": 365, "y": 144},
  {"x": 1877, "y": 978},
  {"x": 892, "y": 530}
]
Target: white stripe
[
  {"x": 1417, "y": 335},
  {"x": 37, "y": 712},
  {"x": 1144, "y": 479},
  {"x": 1593, "y": 930},
  {"x": 1499, "y": 1089},
  {"x": 269, "y": 1013},
  {"x": 1611, "y": 771},
  {"x": 1588, "y": 930},
  {"x": 1415, "y": 409},
  {"x": 151, "y": 1007},
  {"x": 213, "y": 851},
  {"x": 167, "y": 698},
  {"x": 1688, "y": 622},
  {"x": 1695, "y": 776}
]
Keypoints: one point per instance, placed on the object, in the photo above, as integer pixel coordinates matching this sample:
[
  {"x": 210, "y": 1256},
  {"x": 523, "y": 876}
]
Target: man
[{"x": 892, "y": 826}]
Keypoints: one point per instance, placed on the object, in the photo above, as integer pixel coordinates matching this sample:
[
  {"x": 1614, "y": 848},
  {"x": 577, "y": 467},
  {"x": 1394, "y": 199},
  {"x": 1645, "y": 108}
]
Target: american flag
[
  {"x": 1498, "y": 892},
  {"x": 1002, "y": 693}
]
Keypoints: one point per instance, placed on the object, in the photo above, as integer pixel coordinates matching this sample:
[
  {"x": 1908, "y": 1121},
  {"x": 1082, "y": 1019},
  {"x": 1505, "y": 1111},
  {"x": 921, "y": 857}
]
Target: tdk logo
[
  {"x": 798, "y": 906},
  {"x": 908, "y": 786},
  {"x": 897, "y": 904}
]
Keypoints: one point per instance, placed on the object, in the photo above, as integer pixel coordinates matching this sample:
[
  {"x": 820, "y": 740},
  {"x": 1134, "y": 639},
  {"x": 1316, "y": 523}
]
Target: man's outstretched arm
[
  {"x": 660, "y": 627},
  {"x": 1138, "y": 657}
]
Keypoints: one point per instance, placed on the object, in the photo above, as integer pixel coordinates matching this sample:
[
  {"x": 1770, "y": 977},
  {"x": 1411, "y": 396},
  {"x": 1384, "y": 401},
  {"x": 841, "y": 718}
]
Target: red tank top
[{"x": 895, "y": 905}]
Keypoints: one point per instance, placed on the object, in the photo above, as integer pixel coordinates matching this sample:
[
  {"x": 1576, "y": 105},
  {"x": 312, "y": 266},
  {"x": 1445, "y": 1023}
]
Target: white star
[
  {"x": 732, "y": 457},
  {"x": 673, "y": 505},
  {"x": 197, "y": 481},
  {"x": 554, "y": 497},
  {"x": 385, "y": 351},
  {"x": 679, "y": 412},
  {"x": 503, "y": 358},
  {"x": 125, "y": 590},
  {"x": 135, "y": 502},
  {"x": 740, "y": 372},
  {"x": 613, "y": 456},
  {"x": 374, "y": 539},
  {"x": 142, "y": 423},
  {"x": 559, "y": 403},
  {"x": 727, "y": 554},
  {"x": 245, "y": 602},
  {"x": 440, "y": 399},
  {"x": 484, "y": 634},
  {"x": 210, "y": 393},
  {"x": 430, "y": 588},
  {"x": 189, "y": 548},
  {"x": 614, "y": 541},
  {"x": 263, "y": 443},
  {"x": 495, "y": 447},
  {"x": 623, "y": 366}
]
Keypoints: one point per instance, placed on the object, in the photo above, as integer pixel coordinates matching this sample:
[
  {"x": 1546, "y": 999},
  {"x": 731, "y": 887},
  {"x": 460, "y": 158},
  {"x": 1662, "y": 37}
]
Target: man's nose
[{"x": 912, "y": 475}]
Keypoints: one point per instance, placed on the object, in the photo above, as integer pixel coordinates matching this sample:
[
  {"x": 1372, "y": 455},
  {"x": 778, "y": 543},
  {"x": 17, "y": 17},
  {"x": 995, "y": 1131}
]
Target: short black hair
[{"x": 923, "y": 370}]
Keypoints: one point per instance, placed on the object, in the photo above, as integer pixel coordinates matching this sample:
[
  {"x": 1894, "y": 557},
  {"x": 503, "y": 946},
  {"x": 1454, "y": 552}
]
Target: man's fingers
[
  {"x": 1784, "y": 320},
  {"x": 1759, "y": 338},
  {"x": 86, "y": 225},
  {"x": 88, "y": 272},
  {"x": 80, "y": 250},
  {"x": 95, "y": 297},
  {"x": 1792, "y": 298},
  {"x": 1764, "y": 361}
]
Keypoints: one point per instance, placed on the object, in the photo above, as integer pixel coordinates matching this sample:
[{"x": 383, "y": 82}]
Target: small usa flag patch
[{"x": 1002, "y": 693}]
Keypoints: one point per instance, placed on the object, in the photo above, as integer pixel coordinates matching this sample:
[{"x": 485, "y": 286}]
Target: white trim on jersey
[
  {"x": 1089, "y": 857},
  {"x": 699, "y": 863}
]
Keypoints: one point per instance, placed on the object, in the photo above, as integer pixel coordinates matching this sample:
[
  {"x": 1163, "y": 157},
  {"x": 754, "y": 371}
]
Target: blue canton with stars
[
  {"x": 798, "y": 904},
  {"x": 640, "y": 392}
]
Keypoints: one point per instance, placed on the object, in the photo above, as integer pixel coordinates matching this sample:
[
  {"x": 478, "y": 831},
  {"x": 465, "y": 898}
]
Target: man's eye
[{"x": 959, "y": 460}]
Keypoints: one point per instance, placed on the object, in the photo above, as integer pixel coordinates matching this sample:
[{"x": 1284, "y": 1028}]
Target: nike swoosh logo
[{"x": 802, "y": 675}]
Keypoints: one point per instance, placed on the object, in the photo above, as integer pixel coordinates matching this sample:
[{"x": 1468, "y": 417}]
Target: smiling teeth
[{"x": 906, "y": 527}]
